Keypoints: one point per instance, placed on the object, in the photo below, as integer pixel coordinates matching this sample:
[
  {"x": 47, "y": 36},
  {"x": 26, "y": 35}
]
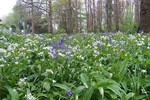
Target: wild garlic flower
[
  {"x": 49, "y": 71},
  {"x": 22, "y": 81},
  {"x": 29, "y": 96}
]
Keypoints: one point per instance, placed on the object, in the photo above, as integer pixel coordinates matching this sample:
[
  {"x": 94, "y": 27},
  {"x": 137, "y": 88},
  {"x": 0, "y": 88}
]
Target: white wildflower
[
  {"x": 140, "y": 43},
  {"x": 11, "y": 47},
  {"x": 49, "y": 71},
  {"x": 29, "y": 96},
  {"x": 2, "y": 51},
  {"x": 110, "y": 75},
  {"x": 108, "y": 55},
  {"x": 22, "y": 81},
  {"x": 3, "y": 60},
  {"x": 16, "y": 63},
  {"x": 143, "y": 90},
  {"x": 41, "y": 54},
  {"x": 144, "y": 71},
  {"x": 54, "y": 81},
  {"x": 131, "y": 37},
  {"x": 1, "y": 65},
  {"x": 80, "y": 57},
  {"x": 61, "y": 54}
]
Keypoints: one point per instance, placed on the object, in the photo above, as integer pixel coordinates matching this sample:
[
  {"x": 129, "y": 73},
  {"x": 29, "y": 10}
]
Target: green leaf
[
  {"x": 78, "y": 90},
  {"x": 116, "y": 89},
  {"x": 84, "y": 78},
  {"x": 123, "y": 67},
  {"x": 129, "y": 95},
  {"x": 101, "y": 90},
  {"x": 88, "y": 93},
  {"x": 62, "y": 86},
  {"x": 147, "y": 61},
  {"x": 46, "y": 85},
  {"x": 14, "y": 94},
  {"x": 42, "y": 95}
]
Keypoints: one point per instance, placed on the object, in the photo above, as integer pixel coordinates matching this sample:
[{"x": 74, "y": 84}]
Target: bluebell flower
[
  {"x": 42, "y": 41},
  {"x": 60, "y": 43},
  {"x": 119, "y": 44},
  {"x": 132, "y": 47},
  {"x": 107, "y": 39},
  {"x": 69, "y": 93},
  {"x": 55, "y": 56},
  {"x": 147, "y": 45},
  {"x": 54, "y": 46},
  {"x": 48, "y": 44},
  {"x": 54, "y": 49},
  {"x": 110, "y": 41},
  {"x": 140, "y": 31}
]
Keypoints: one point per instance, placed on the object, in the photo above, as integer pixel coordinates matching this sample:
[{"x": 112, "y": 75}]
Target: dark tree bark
[
  {"x": 69, "y": 21},
  {"x": 94, "y": 17},
  {"x": 76, "y": 16},
  {"x": 109, "y": 15},
  {"x": 116, "y": 13},
  {"x": 50, "y": 24},
  {"x": 99, "y": 15},
  {"x": 32, "y": 19},
  {"x": 145, "y": 16}
]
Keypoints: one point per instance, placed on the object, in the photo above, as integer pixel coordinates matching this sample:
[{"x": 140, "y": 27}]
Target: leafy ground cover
[{"x": 75, "y": 67}]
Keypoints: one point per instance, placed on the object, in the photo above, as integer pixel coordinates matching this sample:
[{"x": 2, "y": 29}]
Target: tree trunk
[
  {"x": 109, "y": 15},
  {"x": 137, "y": 12},
  {"x": 99, "y": 15},
  {"x": 94, "y": 17},
  {"x": 50, "y": 26},
  {"x": 87, "y": 14},
  {"x": 145, "y": 16},
  {"x": 91, "y": 16},
  {"x": 76, "y": 16},
  {"x": 116, "y": 12},
  {"x": 69, "y": 19},
  {"x": 32, "y": 15}
]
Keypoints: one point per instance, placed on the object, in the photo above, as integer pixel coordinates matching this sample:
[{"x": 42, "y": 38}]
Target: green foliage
[
  {"x": 128, "y": 23},
  {"x": 80, "y": 66}
]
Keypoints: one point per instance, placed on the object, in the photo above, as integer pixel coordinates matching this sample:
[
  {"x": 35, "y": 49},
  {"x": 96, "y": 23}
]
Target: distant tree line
[{"x": 76, "y": 16}]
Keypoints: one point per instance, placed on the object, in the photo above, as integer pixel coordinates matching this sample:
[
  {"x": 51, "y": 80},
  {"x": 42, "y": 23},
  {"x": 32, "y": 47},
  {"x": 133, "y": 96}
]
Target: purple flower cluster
[
  {"x": 69, "y": 93},
  {"x": 60, "y": 46}
]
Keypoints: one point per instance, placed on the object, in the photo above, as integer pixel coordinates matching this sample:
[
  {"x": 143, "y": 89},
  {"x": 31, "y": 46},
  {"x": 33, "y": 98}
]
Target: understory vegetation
[{"x": 75, "y": 67}]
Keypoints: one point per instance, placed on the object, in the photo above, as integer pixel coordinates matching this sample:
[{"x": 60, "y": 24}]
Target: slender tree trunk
[
  {"x": 137, "y": 11},
  {"x": 91, "y": 16},
  {"x": 87, "y": 15},
  {"x": 116, "y": 12},
  {"x": 76, "y": 16},
  {"x": 69, "y": 25},
  {"x": 32, "y": 15},
  {"x": 109, "y": 15},
  {"x": 50, "y": 24},
  {"x": 80, "y": 16},
  {"x": 145, "y": 16},
  {"x": 94, "y": 17},
  {"x": 99, "y": 15}
]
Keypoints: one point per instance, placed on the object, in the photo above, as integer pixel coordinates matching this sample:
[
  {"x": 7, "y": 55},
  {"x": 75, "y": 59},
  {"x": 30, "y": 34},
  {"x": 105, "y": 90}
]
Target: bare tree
[
  {"x": 116, "y": 13},
  {"x": 145, "y": 16},
  {"x": 99, "y": 15},
  {"x": 50, "y": 22},
  {"x": 32, "y": 19},
  {"x": 137, "y": 11},
  {"x": 76, "y": 16},
  {"x": 109, "y": 15}
]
